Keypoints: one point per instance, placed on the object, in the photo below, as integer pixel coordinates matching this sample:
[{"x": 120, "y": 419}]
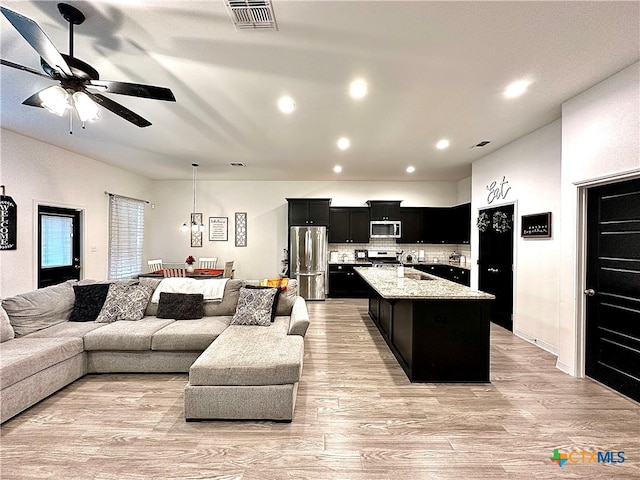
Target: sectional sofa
[{"x": 238, "y": 369}]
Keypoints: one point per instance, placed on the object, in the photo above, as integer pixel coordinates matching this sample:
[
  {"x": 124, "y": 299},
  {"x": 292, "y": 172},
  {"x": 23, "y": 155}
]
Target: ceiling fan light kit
[{"x": 76, "y": 77}]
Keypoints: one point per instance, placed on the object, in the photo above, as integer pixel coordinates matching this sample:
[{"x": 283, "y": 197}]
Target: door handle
[
  {"x": 77, "y": 267},
  {"x": 589, "y": 292}
]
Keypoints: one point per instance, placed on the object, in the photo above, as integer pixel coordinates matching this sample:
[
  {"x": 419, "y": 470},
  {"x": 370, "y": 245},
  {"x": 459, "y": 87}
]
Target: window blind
[{"x": 126, "y": 236}]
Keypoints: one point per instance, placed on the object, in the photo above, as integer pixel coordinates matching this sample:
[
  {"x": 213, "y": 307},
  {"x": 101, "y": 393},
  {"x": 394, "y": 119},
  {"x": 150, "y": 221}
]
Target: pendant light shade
[{"x": 193, "y": 226}]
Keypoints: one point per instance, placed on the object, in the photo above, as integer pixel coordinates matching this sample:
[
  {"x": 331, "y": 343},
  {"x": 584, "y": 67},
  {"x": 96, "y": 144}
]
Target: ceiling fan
[{"x": 76, "y": 77}]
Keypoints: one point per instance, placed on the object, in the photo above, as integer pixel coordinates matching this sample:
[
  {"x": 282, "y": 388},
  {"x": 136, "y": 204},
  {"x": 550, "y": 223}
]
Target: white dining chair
[
  {"x": 174, "y": 272},
  {"x": 207, "y": 262},
  {"x": 154, "y": 265},
  {"x": 228, "y": 270}
]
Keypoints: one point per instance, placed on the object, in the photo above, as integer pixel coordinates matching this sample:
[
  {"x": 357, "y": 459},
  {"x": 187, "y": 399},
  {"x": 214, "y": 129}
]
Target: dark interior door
[
  {"x": 496, "y": 263},
  {"x": 612, "y": 351},
  {"x": 58, "y": 245}
]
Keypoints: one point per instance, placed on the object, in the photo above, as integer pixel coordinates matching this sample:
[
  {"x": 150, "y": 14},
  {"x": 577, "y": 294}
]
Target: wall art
[
  {"x": 536, "y": 226},
  {"x": 218, "y": 229},
  {"x": 8, "y": 222},
  {"x": 241, "y": 229}
]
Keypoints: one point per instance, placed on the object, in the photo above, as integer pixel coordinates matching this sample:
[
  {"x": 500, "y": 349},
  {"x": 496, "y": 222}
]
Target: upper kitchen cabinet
[
  {"x": 461, "y": 231},
  {"x": 412, "y": 229},
  {"x": 447, "y": 224},
  {"x": 348, "y": 225},
  {"x": 384, "y": 209},
  {"x": 309, "y": 211}
]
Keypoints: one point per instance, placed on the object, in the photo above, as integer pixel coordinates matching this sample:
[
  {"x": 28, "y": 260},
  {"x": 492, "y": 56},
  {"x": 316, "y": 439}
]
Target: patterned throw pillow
[
  {"x": 89, "y": 301},
  {"x": 256, "y": 306},
  {"x": 125, "y": 302},
  {"x": 181, "y": 306}
]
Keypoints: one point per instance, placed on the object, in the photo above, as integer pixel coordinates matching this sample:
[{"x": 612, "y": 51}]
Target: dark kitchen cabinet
[
  {"x": 447, "y": 224},
  {"x": 412, "y": 231},
  {"x": 384, "y": 209},
  {"x": 344, "y": 282},
  {"x": 348, "y": 225},
  {"x": 309, "y": 211},
  {"x": 461, "y": 224}
]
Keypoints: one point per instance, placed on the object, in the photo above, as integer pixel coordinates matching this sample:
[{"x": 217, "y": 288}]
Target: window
[
  {"x": 126, "y": 236},
  {"x": 57, "y": 241}
]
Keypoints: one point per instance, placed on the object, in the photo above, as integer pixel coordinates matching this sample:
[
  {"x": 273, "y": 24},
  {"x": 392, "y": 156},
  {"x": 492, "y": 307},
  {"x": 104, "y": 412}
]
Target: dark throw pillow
[
  {"x": 256, "y": 306},
  {"x": 89, "y": 301},
  {"x": 181, "y": 306}
]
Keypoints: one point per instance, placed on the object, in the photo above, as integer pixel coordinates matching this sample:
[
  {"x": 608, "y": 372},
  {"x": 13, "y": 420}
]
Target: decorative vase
[{"x": 190, "y": 267}]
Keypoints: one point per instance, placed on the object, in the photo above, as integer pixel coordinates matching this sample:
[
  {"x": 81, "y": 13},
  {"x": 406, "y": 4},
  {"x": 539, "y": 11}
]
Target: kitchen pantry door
[
  {"x": 612, "y": 350},
  {"x": 58, "y": 245},
  {"x": 495, "y": 263}
]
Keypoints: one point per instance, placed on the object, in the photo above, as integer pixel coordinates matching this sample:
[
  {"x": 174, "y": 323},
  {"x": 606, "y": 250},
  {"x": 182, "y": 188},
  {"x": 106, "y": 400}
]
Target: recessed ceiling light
[
  {"x": 358, "y": 88},
  {"x": 286, "y": 104},
  {"x": 411, "y": 169},
  {"x": 344, "y": 143},
  {"x": 442, "y": 144},
  {"x": 516, "y": 89},
  {"x": 337, "y": 169}
]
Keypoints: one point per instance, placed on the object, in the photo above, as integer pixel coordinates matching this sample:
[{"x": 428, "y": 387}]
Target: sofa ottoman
[{"x": 247, "y": 373}]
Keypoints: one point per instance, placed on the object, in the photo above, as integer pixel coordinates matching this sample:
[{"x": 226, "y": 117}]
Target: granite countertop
[
  {"x": 385, "y": 281},
  {"x": 364, "y": 263}
]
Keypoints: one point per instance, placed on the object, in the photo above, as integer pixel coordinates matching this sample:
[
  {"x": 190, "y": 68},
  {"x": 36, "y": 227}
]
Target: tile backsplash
[{"x": 346, "y": 251}]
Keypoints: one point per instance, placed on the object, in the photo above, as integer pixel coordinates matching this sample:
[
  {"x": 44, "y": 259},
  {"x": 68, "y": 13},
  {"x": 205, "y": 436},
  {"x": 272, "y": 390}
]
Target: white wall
[
  {"x": 600, "y": 138},
  {"x": 266, "y": 207},
  {"x": 38, "y": 173},
  {"x": 531, "y": 166}
]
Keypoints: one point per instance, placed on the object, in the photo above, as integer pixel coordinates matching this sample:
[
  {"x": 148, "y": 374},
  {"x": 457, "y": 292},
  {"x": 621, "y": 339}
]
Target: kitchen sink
[{"x": 419, "y": 276}]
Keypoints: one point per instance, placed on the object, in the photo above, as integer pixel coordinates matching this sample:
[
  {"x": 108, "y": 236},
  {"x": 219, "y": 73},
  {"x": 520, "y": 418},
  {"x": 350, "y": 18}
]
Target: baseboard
[
  {"x": 563, "y": 367},
  {"x": 537, "y": 342}
]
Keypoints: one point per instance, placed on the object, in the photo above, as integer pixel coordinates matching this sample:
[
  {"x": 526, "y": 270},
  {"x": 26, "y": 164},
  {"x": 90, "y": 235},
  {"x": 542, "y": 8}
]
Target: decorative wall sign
[
  {"x": 241, "y": 229},
  {"x": 536, "y": 226},
  {"x": 218, "y": 229},
  {"x": 8, "y": 222},
  {"x": 498, "y": 191},
  {"x": 196, "y": 237}
]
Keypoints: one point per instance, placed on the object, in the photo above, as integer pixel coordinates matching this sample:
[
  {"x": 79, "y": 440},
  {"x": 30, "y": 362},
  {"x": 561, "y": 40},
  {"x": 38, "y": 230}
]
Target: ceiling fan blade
[
  {"x": 34, "y": 100},
  {"x": 34, "y": 35},
  {"x": 7, "y": 63},
  {"x": 134, "y": 89},
  {"x": 118, "y": 109}
]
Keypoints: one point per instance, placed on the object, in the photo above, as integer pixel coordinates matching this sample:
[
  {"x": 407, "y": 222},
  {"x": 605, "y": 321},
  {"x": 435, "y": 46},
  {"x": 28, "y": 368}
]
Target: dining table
[{"x": 198, "y": 273}]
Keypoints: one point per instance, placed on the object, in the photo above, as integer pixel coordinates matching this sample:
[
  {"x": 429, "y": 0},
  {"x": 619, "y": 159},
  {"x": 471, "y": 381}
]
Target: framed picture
[
  {"x": 536, "y": 226},
  {"x": 218, "y": 229},
  {"x": 196, "y": 237},
  {"x": 241, "y": 229}
]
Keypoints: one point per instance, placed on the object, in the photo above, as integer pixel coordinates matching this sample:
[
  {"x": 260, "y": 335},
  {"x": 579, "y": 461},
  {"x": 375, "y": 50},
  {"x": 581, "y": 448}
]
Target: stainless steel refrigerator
[{"x": 308, "y": 260}]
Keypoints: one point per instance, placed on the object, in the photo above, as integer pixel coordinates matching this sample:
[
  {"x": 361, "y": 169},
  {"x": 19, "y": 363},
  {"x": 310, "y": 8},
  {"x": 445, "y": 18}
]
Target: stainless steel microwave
[{"x": 385, "y": 229}]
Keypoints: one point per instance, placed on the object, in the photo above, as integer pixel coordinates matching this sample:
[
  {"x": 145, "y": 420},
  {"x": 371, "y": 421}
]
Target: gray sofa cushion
[
  {"x": 249, "y": 355},
  {"x": 189, "y": 335},
  {"x": 125, "y": 335},
  {"x": 38, "y": 309},
  {"x": 66, "y": 329},
  {"x": 229, "y": 301},
  {"x": 23, "y": 357},
  {"x": 6, "y": 330}
]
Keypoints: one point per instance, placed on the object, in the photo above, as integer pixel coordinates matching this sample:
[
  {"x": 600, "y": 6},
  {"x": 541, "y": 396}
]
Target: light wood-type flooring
[{"x": 357, "y": 417}]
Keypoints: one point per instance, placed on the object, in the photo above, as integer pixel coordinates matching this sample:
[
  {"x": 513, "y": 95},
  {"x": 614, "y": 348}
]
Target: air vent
[
  {"x": 481, "y": 144},
  {"x": 252, "y": 14},
  {"x": 237, "y": 164}
]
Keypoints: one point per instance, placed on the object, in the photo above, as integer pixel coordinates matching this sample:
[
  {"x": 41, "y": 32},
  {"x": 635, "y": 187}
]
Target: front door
[
  {"x": 612, "y": 351},
  {"x": 58, "y": 245},
  {"x": 496, "y": 262}
]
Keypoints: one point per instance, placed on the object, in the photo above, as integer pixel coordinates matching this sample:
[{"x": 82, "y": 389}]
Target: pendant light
[{"x": 193, "y": 226}]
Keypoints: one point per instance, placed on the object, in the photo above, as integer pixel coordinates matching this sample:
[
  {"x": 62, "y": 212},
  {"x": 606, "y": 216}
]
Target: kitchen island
[{"x": 438, "y": 330}]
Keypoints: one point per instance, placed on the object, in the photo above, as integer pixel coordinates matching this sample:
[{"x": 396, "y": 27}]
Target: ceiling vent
[
  {"x": 252, "y": 14},
  {"x": 237, "y": 164},
  {"x": 481, "y": 144}
]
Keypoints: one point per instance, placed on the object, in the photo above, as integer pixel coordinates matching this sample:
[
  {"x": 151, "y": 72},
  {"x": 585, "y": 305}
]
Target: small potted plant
[{"x": 189, "y": 261}]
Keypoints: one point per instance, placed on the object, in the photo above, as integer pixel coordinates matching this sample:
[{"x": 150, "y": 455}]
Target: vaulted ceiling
[{"x": 434, "y": 70}]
